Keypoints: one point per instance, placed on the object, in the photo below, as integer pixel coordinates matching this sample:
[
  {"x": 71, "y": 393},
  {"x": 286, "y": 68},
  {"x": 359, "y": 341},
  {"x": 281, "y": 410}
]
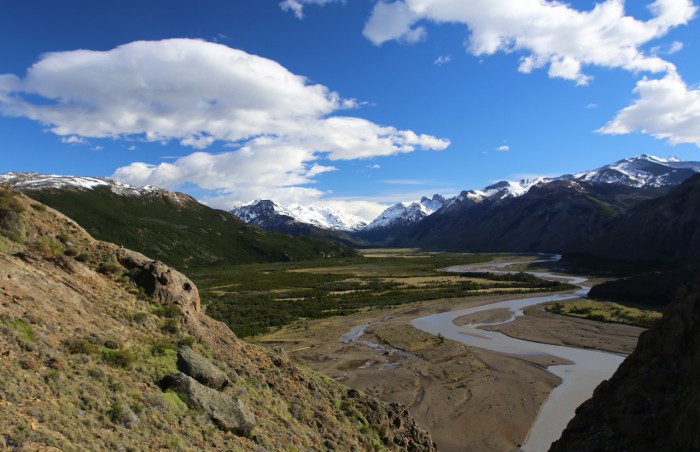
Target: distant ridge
[{"x": 172, "y": 227}]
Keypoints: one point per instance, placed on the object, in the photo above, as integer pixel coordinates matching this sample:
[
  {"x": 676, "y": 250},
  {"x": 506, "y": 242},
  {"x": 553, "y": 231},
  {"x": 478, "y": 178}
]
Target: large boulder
[
  {"x": 161, "y": 282},
  {"x": 201, "y": 369},
  {"x": 229, "y": 413}
]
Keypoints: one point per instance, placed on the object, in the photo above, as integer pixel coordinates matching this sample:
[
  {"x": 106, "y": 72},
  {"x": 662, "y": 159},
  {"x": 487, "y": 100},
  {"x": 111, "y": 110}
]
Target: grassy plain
[
  {"x": 254, "y": 298},
  {"x": 607, "y": 311}
]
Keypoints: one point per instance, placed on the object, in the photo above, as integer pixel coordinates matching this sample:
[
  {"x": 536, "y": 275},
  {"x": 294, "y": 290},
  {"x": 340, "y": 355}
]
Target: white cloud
[
  {"x": 669, "y": 49},
  {"x": 73, "y": 139},
  {"x": 442, "y": 59},
  {"x": 297, "y": 6},
  {"x": 375, "y": 166},
  {"x": 549, "y": 33},
  {"x": 199, "y": 93},
  {"x": 392, "y": 21},
  {"x": 665, "y": 108},
  {"x": 675, "y": 47},
  {"x": 565, "y": 40},
  {"x": 369, "y": 210},
  {"x": 503, "y": 148},
  {"x": 182, "y": 89}
]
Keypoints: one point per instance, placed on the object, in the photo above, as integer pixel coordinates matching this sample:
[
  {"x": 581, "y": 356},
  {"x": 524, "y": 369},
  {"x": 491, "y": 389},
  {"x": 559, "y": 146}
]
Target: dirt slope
[{"x": 90, "y": 331}]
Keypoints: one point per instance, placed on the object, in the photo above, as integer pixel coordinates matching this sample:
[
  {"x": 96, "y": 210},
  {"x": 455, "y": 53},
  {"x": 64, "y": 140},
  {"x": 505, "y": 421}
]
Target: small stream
[{"x": 589, "y": 368}]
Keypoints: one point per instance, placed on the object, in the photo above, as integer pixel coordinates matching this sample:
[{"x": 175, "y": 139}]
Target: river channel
[{"x": 589, "y": 368}]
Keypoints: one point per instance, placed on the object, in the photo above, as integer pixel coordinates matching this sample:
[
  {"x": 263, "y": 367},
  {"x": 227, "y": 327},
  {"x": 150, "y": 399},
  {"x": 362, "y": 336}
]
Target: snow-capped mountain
[
  {"x": 267, "y": 214},
  {"x": 642, "y": 171},
  {"x": 407, "y": 213},
  {"x": 37, "y": 181}
]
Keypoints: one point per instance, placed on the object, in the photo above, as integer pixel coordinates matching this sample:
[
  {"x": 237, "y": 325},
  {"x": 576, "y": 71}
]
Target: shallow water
[{"x": 589, "y": 368}]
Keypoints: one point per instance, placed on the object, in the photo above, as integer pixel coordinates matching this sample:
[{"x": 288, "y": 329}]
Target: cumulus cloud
[
  {"x": 297, "y": 6},
  {"x": 665, "y": 108},
  {"x": 564, "y": 40},
  {"x": 503, "y": 148},
  {"x": 369, "y": 210},
  {"x": 189, "y": 90},
  {"x": 549, "y": 34},
  {"x": 199, "y": 93}
]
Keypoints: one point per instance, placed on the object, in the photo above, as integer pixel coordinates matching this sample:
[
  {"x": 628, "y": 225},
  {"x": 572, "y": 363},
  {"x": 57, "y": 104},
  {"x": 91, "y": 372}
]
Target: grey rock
[
  {"x": 161, "y": 282},
  {"x": 201, "y": 369},
  {"x": 229, "y": 413}
]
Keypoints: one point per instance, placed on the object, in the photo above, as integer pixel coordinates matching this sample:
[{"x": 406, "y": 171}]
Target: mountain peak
[
  {"x": 407, "y": 213},
  {"x": 643, "y": 170},
  {"x": 266, "y": 212}
]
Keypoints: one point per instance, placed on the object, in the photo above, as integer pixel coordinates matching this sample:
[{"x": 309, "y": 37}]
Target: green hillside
[{"x": 180, "y": 231}]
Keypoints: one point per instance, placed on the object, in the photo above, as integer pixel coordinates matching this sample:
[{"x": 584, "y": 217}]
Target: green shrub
[
  {"x": 23, "y": 329},
  {"x": 109, "y": 268},
  {"x": 160, "y": 347},
  {"x": 140, "y": 318},
  {"x": 169, "y": 311},
  {"x": 80, "y": 345},
  {"x": 82, "y": 257},
  {"x": 187, "y": 341},
  {"x": 119, "y": 358},
  {"x": 171, "y": 325}
]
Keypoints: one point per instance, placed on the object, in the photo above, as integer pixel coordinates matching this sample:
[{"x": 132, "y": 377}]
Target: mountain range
[
  {"x": 591, "y": 212},
  {"x": 172, "y": 227},
  {"x": 643, "y": 172},
  {"x": 271, "y": 216}
]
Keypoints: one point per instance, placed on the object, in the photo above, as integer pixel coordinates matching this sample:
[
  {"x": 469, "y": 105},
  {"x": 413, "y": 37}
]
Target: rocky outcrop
[
  {"x": 229, "y": 413},
  {"x": 161, "y": 282},
  {"x": 652, "y": 403},
  {"x": 201, "y": 369}
]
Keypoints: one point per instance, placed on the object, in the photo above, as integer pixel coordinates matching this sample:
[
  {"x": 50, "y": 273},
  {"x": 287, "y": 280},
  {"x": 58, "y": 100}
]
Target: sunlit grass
[{"x": 606, "y": 311}]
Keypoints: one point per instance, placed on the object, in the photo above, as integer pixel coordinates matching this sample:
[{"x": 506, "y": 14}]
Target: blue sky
[{"x": 358, "y": 104}]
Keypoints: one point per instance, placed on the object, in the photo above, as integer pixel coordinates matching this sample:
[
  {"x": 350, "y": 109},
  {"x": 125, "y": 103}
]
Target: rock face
[
  {"x": 201, "y": 369},
  {"x": 229, "y": 413},
  {"x": 652, "y": 403},
  {"x": 161, "y": 282}
]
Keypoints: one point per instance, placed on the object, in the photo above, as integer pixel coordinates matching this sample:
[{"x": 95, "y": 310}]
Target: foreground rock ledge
[{"x": 652, "y": 403}]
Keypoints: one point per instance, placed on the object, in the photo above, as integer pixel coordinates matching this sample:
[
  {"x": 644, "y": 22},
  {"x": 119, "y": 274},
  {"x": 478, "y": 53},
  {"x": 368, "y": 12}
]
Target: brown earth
[
  {"x": 467, "y": 398},
  {"x": 88, "y": 330}
]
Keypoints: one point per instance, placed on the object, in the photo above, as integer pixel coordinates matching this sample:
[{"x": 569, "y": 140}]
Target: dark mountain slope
[
  {"x": 665, "y": 229},
  {"x": 177, "y": 229},
  {"x": 652, "y": 403},
  {"x": 555, "y": 217}
]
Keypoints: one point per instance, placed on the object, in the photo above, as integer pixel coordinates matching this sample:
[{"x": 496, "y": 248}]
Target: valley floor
[{"x": 469, "y": 399}]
